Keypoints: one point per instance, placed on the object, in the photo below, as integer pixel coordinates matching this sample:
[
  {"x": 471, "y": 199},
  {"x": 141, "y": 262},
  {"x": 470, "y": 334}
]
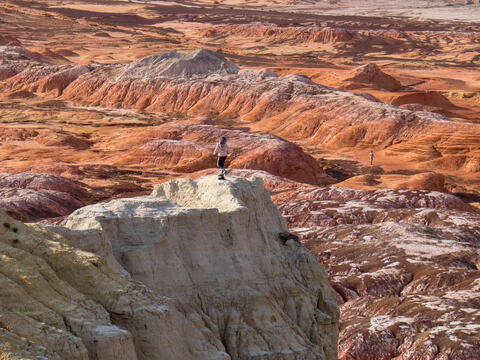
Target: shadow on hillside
[
  {"x": 341, "y": 170},
  {"x": 468, "y": 197}
]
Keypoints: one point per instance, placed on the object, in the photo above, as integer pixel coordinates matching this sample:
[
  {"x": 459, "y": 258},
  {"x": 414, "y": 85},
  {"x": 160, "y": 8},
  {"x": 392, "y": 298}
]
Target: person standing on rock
[
  {"x": 371, "y": 157},
  {"x": 222, "y": 150}
]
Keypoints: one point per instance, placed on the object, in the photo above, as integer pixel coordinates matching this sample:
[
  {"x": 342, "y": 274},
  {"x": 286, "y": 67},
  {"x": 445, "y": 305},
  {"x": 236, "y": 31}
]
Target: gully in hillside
[{"x": 222, "y": 150}]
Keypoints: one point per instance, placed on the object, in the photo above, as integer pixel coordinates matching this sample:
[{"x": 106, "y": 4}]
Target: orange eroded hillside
[{"x": 100, "y": 101}]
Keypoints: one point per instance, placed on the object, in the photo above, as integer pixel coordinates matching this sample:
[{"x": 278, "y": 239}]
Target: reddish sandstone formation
[
  {"x": 398, "y": 302},
  {"x": 422, "y": 181},
  {"x": 15, "y": 134},
  {"x": 276, "y": 33},
  {"x": 33, "y": 197},
  {"x": 7, "y": 40},
  {"x": 176, "y": 155},
  {"x": 127, "y": 160},
  {"x": 370, "y": 75},
  {"x": 16, "y": 55},
  {"x": 428, "y": 98},
  {"x": 429, "y": 108},
  {"x": 189, "y": 147},
  {"x": 23, "y": 70},
  {"x": 63, "y": 139},
  {"x": 403, "y": 263},
  {"x": 293, "y": 107}
]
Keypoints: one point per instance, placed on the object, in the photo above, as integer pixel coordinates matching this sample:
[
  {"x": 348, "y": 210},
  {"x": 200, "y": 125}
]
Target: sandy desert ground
[{"x": 304, "y": 90}]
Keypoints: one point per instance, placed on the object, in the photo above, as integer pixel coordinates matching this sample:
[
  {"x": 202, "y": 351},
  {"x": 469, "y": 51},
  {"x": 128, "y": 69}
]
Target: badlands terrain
[{"x": 106, "y": 107}]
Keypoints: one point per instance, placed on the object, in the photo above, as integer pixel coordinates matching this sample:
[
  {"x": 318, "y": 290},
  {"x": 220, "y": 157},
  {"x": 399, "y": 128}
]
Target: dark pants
[{"x": 221, "y": 162}]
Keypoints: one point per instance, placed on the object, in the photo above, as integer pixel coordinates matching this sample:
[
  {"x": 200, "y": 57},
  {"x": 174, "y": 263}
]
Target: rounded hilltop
[
  {"x": 369, "y": 75},
  {"x": 178, "y": 64}
]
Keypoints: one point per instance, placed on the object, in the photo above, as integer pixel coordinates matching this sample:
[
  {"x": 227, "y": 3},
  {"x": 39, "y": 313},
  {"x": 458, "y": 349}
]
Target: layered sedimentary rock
[
  {"x": 340, "y": 37},
  {"x": 408, "y": 290},
  {"x": 58, "y": 302},
  {"x": 297, "y": 34},
  {"x": 370, "y": 75},
  {"x": 422, "y": 181},
  {"x": 189, "y": 147},
  {"x": 8, "y": 40},
  {"x": 174, "y": 64},
  {"x": 428, "y": 98},
  {"x": 223, "y": 248},
  {"x": 27, "y": 72},
  {"x": 33, "y": 197},
  {"x": 293, "y": 107},
  {"x": 405, "y": 266},
  {"x": 118, "y": 162}
]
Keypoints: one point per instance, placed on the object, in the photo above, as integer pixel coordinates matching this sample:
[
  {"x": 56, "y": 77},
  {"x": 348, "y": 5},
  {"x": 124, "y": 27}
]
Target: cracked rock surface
[{"x": 215, "y": 247}]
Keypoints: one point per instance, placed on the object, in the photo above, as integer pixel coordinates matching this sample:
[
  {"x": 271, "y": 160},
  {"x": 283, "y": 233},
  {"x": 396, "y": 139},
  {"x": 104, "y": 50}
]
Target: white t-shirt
[{"x": 222, "y": 150}]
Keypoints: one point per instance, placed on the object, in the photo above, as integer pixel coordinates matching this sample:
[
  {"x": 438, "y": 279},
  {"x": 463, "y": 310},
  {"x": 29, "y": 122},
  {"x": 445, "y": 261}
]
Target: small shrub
[
  {"x": 7, "y": 225},
  {"x": 285, "y": 236}
]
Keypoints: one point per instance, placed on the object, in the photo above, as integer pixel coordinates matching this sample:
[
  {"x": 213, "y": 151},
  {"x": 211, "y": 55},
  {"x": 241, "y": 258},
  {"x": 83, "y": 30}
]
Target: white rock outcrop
[
  {"x": 223, "y": 251},
  {"x": 60, "y": 303}
]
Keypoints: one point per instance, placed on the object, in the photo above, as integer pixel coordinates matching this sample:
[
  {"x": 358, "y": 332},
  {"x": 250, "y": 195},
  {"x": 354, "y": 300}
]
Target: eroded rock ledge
[
  {"x": 58, "y": 302},
  {"x": 223, "y": 284}
]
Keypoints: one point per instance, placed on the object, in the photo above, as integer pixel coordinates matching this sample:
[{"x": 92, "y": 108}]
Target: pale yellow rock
[
  {"x": 214, "y": 246},
  {"x": 57, "y": 302},
  {"x": 239, "y": 290}
]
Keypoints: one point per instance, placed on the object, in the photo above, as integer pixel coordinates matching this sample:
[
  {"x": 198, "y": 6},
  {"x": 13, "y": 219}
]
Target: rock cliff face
[
  {"x": 405, "y": 266},
  {"x": 58, "y": 302},
  {"x": 295, "y": 34},
  {"x": 223, "y": 250}
]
